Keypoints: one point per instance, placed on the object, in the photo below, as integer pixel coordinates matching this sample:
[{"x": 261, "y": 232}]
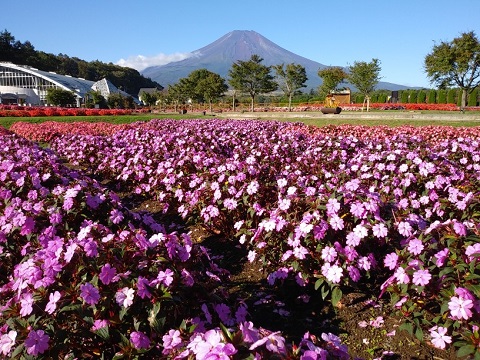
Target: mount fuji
[{"x": 219, "y": 56}]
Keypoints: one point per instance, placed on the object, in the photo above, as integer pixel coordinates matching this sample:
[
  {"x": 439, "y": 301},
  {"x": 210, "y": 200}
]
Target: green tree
[
  {"x": 455, "y": 63},
  {"x": 252, "y": 77},
  {"x": 119, "y": 101},
  {"x": 432, "y": 96},
  {"x": 61, "y": 97},
  {"x": 441, "y": 96},
  {"x": 473, "y": 97},
  {"x": 451, "y": 95},
  {"x": 404, "y": 96},
  {"x": 96, "y": 98},
  {"x": 421, "y": 97},
  {"x": 412, "y": 99},
  {"x": 177, "y": 94},
  {"x": 210, "y": 87},
  {"x": 331, "y": 77},
  {"x": 149, "y": 98},
  {"x": 365, "y": 76},
  {"x": 290, "y": 79}
]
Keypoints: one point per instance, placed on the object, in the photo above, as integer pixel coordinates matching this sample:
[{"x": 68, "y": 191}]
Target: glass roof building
[{"x": 20, "y": 84}]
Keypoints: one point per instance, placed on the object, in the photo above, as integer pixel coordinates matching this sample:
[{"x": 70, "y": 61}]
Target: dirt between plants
[{"x": 285, "y": 307}]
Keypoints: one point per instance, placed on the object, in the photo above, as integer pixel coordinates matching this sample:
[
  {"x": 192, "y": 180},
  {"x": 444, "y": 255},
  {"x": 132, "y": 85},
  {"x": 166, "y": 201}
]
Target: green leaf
[
  {"x": 318, "y": 283},
  {"x": 465, "y": 350},
  {"x": 336, "y": 296},
  {"x": 74, "y": 307},
  {"x": 408, "y": 327},
  {"x": 419, "y": 333},
  {"x": 103, "y": 332},
  {"x": 18, "y": 350}
]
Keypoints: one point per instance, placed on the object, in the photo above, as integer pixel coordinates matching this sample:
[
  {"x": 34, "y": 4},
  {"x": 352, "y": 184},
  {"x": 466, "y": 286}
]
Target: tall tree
[
  {"x": 331, "y": 77},
  {"x": 455, "y": 63},
  {"x": 365, "y": 76},
  {"x": 290, "y": 79},
  {"x": 60, "y": 97},
  {"x": 252, "y": 77}
]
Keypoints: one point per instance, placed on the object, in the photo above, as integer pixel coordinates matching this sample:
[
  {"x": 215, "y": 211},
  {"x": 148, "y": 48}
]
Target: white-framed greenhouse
[{"x": 21, "y": 84}]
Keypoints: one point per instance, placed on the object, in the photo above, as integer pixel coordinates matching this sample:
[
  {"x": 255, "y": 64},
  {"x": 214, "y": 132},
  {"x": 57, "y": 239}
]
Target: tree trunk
[
  {"x": 233, "y": 105},
  {"x": 210, "y": 103},
  {"x": 253, "y": 103},
  {"x": 290, "y": 102},
  {"x": 464, "y": 99}
]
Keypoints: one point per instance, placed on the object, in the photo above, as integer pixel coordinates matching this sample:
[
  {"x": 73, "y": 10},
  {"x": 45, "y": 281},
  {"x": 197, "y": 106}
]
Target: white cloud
[{"x": 140, "y": 62}]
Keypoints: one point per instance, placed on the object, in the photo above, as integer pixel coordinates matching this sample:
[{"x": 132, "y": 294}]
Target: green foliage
[
  {"x": 451, "y": 96},
  {"x": 382, "y": 98},
  {"x": 404, "y": 96},
  {"x": 421, "y": 97},
  {"x": 413, "y": 96},
  {"x": 473, "y": 97},
  {"x": 60, "y": 97},
  {"x": 252, "y": 77},
  {"x": 455, "y": 63},
  {"x": 442, "y": 96},
  {"x": 290, "y": 79},
  {"x": 95, "y": 98},
  {"x": 331, "y": 77},
  {"x": 118, "y": 101},
  {"x": 432, "y": 96},
  {"x": 365, "y": 76}
]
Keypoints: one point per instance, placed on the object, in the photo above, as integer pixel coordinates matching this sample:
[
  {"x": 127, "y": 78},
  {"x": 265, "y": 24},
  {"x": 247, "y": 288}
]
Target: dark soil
[{"x": 281, "y": 308}]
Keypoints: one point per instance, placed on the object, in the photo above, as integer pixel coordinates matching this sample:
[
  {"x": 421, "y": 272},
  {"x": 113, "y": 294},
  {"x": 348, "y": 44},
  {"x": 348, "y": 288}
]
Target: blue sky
[{"x": 147, "y": 32}]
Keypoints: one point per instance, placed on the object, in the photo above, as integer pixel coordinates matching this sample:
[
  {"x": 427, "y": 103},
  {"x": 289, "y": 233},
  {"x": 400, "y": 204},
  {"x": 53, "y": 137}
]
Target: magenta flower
[
  {"x": 379, "y": 230},
  {"x": 401, "y": 276},
  {"x": 441, "y": 257},
  {"x": 460, "y": 308},
  {"x": 405, "y": 229},
  {"x": 165, "y": 277},
  {"x": 100, "y": 324},
  {"x": 336, "y": 222},
  {"x": 139, "y": 340},
  {"x": 89, "y": 293},
  {"x": 36, "y": 342},
  {"x": 421, "y": 277},
  {"x": 439, "y": 337},
  {"x": 329, "y": 254}
]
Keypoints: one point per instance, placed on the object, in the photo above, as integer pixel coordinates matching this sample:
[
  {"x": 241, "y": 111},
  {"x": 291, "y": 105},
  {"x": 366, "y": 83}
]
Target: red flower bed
[{"x": 31, "y": 111}]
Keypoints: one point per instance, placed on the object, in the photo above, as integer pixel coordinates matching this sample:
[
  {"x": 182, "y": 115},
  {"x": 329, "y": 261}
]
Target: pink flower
[
  {"x": 405, "y": 229},
  {"x": 336, "y": 222},
  {"x": 415, "y": 246},
  {"x": 89, "y": 293},
  {"x": 100, "y": 324},
  {"x": 334, "y": 274},
  {"x": 441, "y": 256},
  {"x": 36, "y": 342},
  {"x": 26, "y": 303},
  {"x": 460, "y": 308},
  {"x": 329, "y": 254},
  {"x": 165, "y": 277},
  {"x": 52, "y": 303},
  {"x": 401, "y": 276},
  {"x": 390, "y": 260},
  {"x": 171, "y": 341},
  {"x": 124, "y": 297},
  {"x": 439, "y": 337},
  {"x": 421, "y": 277},
  {"x": 379, "y": 230},
  {"x": 7, "y": 341},
  {"x": 139, "y": 340}
]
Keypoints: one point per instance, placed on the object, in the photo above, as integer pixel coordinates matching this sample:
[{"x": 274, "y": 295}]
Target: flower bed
[
  {"x": 325, "y": 208},
  {"x": 34, "y": 111}
]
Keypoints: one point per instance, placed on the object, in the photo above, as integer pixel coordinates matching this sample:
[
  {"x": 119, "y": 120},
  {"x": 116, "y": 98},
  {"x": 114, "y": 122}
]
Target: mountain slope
[{"x": 237, "y": 45}]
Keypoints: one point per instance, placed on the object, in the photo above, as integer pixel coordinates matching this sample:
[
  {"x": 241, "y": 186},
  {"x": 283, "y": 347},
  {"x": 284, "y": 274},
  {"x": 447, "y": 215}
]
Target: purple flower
[
  {"x": 139, "y": 340},
  {"x": 89, "y": 293},
  {"x": 223, "y": 312},
  {"x": 107, "y": 274},
  {"x": 421, "y": 277},
  {"x": 273, "y": 342},
  {"x": 441, "y": 256},
  {"x": 116, "y": 216},
  {"x": 460, "y": 308},
  {"x": 100, "y": 324},
  {"x": 165, "y": 277},
  {"x": 439, "y": 337},
  {"x": 36, "y": 342}
]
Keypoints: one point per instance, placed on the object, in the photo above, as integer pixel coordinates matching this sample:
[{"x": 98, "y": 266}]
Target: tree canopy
[
  {"x": 331, "y": 76},
  {"x": 365, "y": 76},
  {"x": 290, "y": 79},
  {"x": 60, "y": 97},
  {"x": 252, "y": 77},
  {"x": 455, "y": 63}
]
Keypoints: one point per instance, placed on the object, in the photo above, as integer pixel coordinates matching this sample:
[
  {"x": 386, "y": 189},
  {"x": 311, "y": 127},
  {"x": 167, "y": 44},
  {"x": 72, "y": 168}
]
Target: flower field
[{"x": 320, "y": 211}]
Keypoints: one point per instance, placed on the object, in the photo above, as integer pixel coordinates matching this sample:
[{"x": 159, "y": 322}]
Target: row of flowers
[
  {"x": 83, "y": 276},
  {"x": 34, "y": 111},
  {"x": 327, "y": 208}
]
